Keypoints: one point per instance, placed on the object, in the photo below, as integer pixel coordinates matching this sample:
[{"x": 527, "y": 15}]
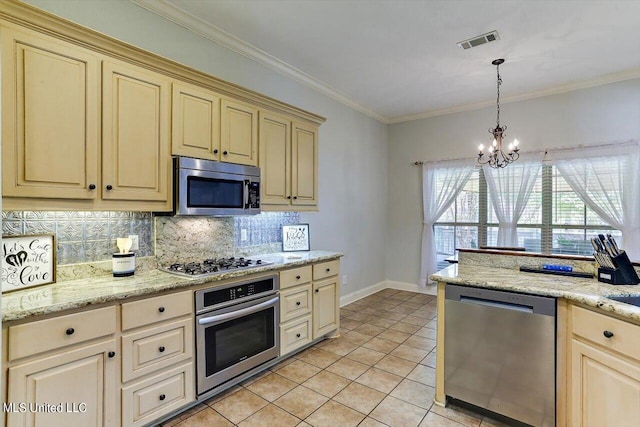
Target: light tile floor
[{"x": 379, "y": 372}]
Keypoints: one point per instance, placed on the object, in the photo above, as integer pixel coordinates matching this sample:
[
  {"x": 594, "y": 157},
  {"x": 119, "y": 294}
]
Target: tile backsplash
[
  {"x": 83, "y": 236},
  {"x": 90, "y": 236}
]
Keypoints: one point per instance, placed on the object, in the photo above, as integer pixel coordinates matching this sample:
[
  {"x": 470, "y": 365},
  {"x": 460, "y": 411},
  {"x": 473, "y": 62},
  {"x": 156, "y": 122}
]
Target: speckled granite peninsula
[
  {"x": 99, "y": 286},
  {"x": 501, "y": 272}
]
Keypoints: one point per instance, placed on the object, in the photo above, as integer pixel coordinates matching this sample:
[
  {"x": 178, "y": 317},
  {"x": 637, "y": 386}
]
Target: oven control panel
[{"x": 214, "y": 296}]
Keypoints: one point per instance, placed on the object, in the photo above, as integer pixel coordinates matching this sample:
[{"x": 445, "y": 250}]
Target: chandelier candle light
[{"x": 496, "y": 157}]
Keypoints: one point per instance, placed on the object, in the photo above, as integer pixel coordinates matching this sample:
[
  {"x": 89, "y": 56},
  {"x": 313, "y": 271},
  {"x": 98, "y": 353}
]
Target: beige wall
[{"x": 602, "y": 114}]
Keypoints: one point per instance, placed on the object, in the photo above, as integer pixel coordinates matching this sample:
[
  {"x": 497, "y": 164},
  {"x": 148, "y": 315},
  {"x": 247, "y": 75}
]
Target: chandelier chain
[{"x": 499, "y": 82}]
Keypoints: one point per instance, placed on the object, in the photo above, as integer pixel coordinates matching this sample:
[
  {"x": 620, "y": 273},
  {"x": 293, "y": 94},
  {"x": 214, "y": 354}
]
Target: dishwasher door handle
[{"x": 497, "y": 304}]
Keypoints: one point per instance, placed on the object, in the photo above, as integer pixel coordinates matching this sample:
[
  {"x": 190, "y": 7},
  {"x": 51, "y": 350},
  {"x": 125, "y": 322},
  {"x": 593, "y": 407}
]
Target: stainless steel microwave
[{"x": 205, "y": 187}]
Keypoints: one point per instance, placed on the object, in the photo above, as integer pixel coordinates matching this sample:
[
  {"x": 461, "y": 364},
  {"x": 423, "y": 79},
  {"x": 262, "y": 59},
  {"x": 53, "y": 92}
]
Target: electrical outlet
[
  {"x": 243, "y": 235},
  {"x": 344, "y": 279},
  {"x": 135, "y": 244}
]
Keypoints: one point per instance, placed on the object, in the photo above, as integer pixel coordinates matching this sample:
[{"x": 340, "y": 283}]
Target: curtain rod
[{"x": 546, "y": 150}]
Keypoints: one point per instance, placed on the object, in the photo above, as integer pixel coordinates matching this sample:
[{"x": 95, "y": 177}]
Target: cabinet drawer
[
  {"x": 151, "y": 310},
  {"x": 295, "y": 302},
  {"x": 326, "y": 269},
  {"x": 157, "y": 396},
  {"x": 295, "y": 334},
  {"x": 592, "y": 326},
  {"x": 295, "y": 276},
  {"x": 50, "y": 334},
  {"x": 151, "y": 349}
]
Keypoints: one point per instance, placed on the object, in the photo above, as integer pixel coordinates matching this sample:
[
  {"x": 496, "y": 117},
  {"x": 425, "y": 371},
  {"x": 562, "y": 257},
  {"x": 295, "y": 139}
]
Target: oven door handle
[
  {"x": 234, "y": 314},
  {"x": 245, "y": 194}
]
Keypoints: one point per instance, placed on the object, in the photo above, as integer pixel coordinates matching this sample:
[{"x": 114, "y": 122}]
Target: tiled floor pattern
[{"x": 379, "y": 372}]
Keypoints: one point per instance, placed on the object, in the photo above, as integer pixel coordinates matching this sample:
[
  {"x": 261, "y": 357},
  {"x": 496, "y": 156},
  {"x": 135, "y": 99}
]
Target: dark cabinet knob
[
  {"x": 317, "y": 290},
  {"x": 288, "y": 197},
  {"x": 111, "y": 354},
  {"x": 161, "y": 309},
  {"x": 298, "y": 277},
  {"x": 92, "y": 186},
  {"x": 298, "y": 303},
  {"x": 607, "y": 334},
  {"x": 109, "y": 187},
  {"x": 215, "y": 151},
  {"x": 161, "y": 349},
  {"x": 162, "y": 397},
  {"x": 328, "y": 270},
  {"x": 225, "y": 153},
  {"x": 295, "y": 197},
  {"x": 70, "y": 331},
  {"x": 297, "y": 335}
]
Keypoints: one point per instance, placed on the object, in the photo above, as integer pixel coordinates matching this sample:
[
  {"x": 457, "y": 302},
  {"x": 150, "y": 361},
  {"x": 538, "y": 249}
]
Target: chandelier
[{"x": 496, "y": 156}]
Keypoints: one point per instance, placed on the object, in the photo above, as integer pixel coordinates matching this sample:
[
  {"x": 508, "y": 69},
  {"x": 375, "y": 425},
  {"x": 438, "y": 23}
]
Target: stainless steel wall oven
[{"x": 236, "y": 329}]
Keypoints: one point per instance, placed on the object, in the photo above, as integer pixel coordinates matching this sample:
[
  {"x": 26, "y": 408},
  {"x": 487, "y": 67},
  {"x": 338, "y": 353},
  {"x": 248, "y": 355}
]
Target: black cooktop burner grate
[{"x": 214, "y": 266}]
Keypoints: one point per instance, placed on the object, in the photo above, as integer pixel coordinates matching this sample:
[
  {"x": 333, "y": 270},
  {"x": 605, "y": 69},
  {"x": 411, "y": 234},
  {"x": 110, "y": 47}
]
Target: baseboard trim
[{"x": 430, "y": 289}]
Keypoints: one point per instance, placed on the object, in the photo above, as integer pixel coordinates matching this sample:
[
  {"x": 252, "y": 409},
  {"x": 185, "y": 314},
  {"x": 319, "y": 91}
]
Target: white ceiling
[{"x": 397, "y": 60}]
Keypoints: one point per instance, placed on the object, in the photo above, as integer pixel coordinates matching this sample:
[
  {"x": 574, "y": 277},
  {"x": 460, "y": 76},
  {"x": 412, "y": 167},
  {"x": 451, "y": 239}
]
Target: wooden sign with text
[{"x": 28, "y": 261}]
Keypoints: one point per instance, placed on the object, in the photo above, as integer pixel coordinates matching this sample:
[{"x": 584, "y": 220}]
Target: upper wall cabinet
[
  {"x": 239, "y": 133},
  {"x": 50, "y": 117},
  {"x": 136, "y": 163},
  {"x": 196, "y": 122},
  {"x": 288, "y": 164}
]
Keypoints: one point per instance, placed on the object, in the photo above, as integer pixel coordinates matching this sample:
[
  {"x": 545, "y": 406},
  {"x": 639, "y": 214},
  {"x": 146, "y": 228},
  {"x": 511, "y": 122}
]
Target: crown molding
[
  {"x": 229, "y": 41},
  {"x": 585, "y": 84}
]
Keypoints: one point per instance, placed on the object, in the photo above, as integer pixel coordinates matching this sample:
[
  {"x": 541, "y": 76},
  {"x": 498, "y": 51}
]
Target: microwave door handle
[
  {"x": 238, "y": 313},
  {"x": 245, "y": 194}
]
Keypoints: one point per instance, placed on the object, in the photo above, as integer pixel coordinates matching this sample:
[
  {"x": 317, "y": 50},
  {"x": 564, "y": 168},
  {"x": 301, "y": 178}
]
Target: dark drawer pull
[
  {"x": 162, "y": 397},
  {"x": 215, "y": 151},
  {"x": 161, "y": 349},
  {"x": 70, "y": 331},
  {"x": 297, "y": 335},
  {"x": 92, "y": 186},
  {"x": 225, "y": 153},
  {"x": 109, "y": 187},
  {"x": 607, "y": 334},
  {"x": 161, "y": 309},
  {"x": 317, "y": 290},
  {"x": 298, "y": 277},
  {"x": 111, "y": 354},
  {"x": 328, "y": 270},
  {"x": 298, "y": 303}
]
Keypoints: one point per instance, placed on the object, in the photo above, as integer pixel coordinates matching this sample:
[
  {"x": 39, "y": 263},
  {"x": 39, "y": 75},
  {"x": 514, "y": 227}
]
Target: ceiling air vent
[{"x": 478, "y": 40}]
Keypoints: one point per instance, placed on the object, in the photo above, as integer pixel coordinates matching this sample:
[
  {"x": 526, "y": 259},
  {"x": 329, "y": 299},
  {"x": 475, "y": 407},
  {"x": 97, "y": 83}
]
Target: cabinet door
[
  {"x": 605, "y": 388},
  {"x": 239, "y": 133},
  {"x": 196, "y": 122},
  {"x": 275, "y": 159},
  {"x": 325, "y": 306},
  {"x": 135, "y": 157},
  {"x": 304, "y": 161},
  {"x": 81, "y": 384},
  {"x": 50, "y": 116}
]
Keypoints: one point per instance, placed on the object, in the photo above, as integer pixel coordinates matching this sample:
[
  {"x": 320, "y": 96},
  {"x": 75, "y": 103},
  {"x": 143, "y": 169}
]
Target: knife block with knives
[{"x": 615, "y": 266}]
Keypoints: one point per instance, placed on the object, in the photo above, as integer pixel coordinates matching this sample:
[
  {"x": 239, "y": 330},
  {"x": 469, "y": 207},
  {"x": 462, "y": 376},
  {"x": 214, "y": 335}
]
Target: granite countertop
[
  {"x": 86, "y": 291},
  {"x": 586, "y": 291}
]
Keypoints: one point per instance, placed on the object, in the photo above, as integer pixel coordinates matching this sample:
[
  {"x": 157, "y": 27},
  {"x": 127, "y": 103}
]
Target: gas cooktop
[{"x": 213, "y": 266}]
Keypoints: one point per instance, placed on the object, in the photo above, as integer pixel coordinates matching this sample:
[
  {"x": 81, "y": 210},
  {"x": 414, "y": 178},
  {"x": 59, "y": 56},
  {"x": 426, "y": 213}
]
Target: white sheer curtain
[
  {"x": 441, "y": 184},
  {"x": 607, "y": 179},
  {"x": 510, "y": 189}
]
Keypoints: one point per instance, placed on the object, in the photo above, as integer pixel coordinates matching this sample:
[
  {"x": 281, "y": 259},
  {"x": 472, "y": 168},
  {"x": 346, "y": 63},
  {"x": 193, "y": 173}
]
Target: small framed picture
[
  {"x": 28, "y": 260},
  {"x": 295, "y": 237}
]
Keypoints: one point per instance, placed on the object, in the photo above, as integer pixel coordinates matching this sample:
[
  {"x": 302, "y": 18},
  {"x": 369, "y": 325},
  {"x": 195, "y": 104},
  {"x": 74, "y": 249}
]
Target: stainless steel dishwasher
[{"x": 500, "y": 352}]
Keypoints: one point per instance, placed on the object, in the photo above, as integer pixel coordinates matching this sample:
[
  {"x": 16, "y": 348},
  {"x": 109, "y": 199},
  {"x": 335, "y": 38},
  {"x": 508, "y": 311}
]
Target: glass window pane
[
  {"x": 466, "y": 237},
  {"x": 530, "y": 239},
  {"x": 445, "y": 243},
  {"x": 468, "y": 201},
  {"x": 577, "y": 241}
]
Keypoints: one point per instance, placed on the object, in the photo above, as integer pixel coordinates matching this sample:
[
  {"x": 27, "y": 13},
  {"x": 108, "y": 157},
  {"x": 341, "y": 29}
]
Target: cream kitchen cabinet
[
  {"x": 50, "y": 117},
  {"x": 239, "y": 132},
  {"x": 604, "y": 386},
  {"x": 136, "y": 161},
  {"x": 195, "y": 121},
  {"x": 69, "y": 363},
  {"x": 157, "y": 357},
  {"x": 326, "y": 298},
  {"x": 288, "y": 164}
]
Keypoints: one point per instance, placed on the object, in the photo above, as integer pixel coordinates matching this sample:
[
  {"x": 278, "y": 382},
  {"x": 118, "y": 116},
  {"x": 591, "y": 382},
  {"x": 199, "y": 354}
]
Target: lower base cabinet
[
  {"x": 76, "y": 388},
  {"x": 158, "y": 395}
]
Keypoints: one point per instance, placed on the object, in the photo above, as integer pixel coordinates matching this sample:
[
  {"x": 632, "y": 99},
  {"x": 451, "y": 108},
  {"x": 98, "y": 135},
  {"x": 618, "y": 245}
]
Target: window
[{"x": 555, "y": 219}]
